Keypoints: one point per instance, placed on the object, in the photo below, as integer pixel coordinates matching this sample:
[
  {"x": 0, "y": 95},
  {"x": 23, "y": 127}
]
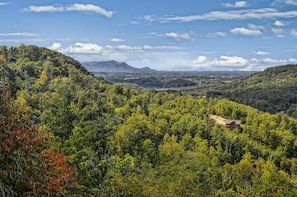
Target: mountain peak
[{"x": 112, "y": 66}]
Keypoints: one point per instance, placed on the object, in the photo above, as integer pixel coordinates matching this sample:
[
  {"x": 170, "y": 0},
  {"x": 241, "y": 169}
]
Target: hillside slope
[{"x": 273, "y": 90}]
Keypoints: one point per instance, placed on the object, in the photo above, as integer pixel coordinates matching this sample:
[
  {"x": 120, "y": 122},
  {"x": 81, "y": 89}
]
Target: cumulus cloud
[
  {"x": 238, "y": 4},
  {"x": 117, "y": 40},
  {"x": 200, "y": 60},
  {"x": 279, "y": 24},
  {"x": 75, "y": 7},
  {"x": 223, "y": 61},
  {"x": 84, "y": 48},
  {"x": 235, "y": 63},
  {"x": 56, "y": 46},
  {"x": 183, "y": 36},
  {"x": 262, "y": 53},
  {"x": 246, "y": 32},
  {"x": 77, "y": 48},
  {"x": 230, "y": 61}
]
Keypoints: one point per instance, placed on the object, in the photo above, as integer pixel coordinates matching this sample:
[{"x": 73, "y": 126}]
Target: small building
[{"x": 230, "y": 124}]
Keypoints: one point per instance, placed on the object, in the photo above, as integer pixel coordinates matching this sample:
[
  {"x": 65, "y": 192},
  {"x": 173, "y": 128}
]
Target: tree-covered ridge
[
  {"x": 272, "y": 90},
  {"x": 129, "y": 142},
  {"x": 28, "y": 165}
]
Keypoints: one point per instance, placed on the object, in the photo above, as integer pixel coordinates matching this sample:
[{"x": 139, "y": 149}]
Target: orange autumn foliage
[
  {"x": 63, "y": 175},
  {"x": 27, "y": 166}
]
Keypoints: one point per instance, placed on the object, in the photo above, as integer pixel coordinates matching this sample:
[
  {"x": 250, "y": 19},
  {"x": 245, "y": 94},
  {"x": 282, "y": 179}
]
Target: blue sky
[{"x": 161, "y": 34}]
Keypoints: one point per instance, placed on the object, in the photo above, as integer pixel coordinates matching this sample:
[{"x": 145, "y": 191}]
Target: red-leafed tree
[{"x": 27, "y": 166}]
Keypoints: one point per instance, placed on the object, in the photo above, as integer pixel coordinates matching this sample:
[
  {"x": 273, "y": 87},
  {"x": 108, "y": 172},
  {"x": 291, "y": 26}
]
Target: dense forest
[
  {"x": 272, "y": 90},
  {"x": 65, "y": 132}
]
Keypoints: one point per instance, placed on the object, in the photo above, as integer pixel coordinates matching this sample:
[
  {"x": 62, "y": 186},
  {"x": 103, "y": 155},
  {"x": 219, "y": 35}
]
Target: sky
[{"x": 170, "y": 35}]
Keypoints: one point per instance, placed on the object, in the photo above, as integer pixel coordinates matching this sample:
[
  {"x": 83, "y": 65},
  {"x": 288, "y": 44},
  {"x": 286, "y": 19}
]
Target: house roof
[{"x": 238, "y": 122}]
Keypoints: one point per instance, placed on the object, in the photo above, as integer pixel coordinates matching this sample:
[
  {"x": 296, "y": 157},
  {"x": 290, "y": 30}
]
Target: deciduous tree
[{"x": 27, "y": 167}]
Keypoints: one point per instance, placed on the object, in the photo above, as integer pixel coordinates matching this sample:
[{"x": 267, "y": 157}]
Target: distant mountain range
[
  {"x": 106, "y": 68},
  {"x": 121, "y": 72}
]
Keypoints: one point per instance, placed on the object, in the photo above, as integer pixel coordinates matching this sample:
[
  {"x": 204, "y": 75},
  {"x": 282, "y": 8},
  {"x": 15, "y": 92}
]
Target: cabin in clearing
[{"x": 230, "y": 124}]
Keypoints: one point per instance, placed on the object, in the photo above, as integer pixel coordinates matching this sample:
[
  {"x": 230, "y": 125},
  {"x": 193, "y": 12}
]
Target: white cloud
[
  {"x": 234, "y": 63},
  {"x": 49, "y": 8},
  {"x": 270, "y": 60},
  {"x": 292, "y": 60},
  {"x": 262, "y": 53},
  {"x": 230, "y": 61},
  {"x": 200, "y": 60},
  {"x": 216, "y": 34},
  {"x": 89, "y": 8},
  {"x": 83, "y": 48},
  {"x": 238, "y": 4},
  {"x": 246, "y": 32},
  {"x": 183, "y": 36},
  {"x": 56, "y": 46},
  {"x": 117, "y": 40},
  {"x": 126, "y": 47},
  {"x": 279, "y": 24},
  {"x": 258, "y": 14},
  {"x": 223, "y": 61},
  {"x": 75, "y": 7},
  {"x": 18, "y": 34}
]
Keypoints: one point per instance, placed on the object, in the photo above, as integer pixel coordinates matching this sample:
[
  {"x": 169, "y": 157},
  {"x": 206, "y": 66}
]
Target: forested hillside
[
  {"x": 131, "y": 142},
  {"x": 272, "y": 90}
]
